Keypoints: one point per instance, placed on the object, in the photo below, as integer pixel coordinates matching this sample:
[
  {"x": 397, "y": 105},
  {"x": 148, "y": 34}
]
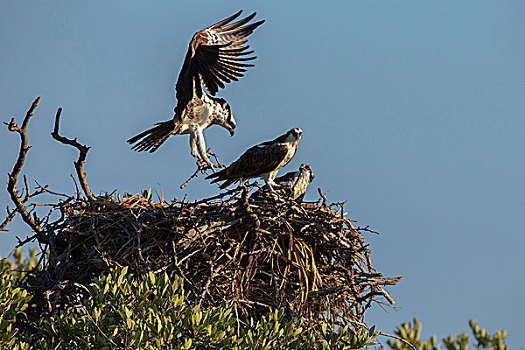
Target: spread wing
[
  {"x": 215, "y": 56},
  {"x": 254, "y": 162}
]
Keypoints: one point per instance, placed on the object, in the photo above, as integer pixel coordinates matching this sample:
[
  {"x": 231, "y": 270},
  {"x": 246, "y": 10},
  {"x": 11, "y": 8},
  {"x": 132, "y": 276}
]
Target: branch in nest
[
  {"x": 32, "y": 221},
  {"x": 27, "y": 196},
  {"x": 367, "y": 229},
  {"x": 325, "y": 200},
  {"x": 79, "y": 164},
  {"x": 202, "y": 167},
  {"x": 220, "y": 195},
  {"x": 255, "y": 252}
]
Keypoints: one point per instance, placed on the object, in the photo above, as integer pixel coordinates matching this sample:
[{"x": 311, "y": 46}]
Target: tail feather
[
  {"x": 227, "y": 183},
  {"x": 221, "y": 176},
  {"x": 217, "y": 174},
  {"x": 151, "y": 139}
]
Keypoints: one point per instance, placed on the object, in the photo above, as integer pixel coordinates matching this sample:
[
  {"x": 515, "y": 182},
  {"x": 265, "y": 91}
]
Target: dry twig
[
  {"x": 202, "y": 168},
  {"x": 10, "y": 215},
  {"x": 82, "y": 149}
]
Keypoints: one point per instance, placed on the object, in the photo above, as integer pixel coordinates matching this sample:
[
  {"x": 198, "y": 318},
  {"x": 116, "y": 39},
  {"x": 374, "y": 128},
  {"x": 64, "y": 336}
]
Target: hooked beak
[{"x": 232, "y": 132}]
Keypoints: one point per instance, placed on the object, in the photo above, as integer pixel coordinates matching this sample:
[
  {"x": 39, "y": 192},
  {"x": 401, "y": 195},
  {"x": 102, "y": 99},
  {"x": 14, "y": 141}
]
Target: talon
[{"x": 201, "y": 165}]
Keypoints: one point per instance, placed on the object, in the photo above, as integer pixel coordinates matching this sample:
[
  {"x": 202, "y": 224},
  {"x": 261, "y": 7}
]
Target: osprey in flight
[
  {"x": 263, "y": 160},
  {"x": 215, "y": 56}
]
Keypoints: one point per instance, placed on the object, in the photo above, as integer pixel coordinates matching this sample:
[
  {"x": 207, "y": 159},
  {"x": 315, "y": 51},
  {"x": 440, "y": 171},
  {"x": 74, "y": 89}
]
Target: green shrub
[
  {"x": 412, "y": 334},
  {"x": 13, "y": 299},
  {"x": 149, "y": 312},
  {"x": 123, "y": 311}
]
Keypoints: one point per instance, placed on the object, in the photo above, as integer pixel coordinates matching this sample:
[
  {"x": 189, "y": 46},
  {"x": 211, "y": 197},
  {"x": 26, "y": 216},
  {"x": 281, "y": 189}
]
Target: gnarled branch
[
  {"x": 10, "y": 215},
  {"x": 79, "y": 164},
  {"x": 27, "y": 196},
  {"x": 32, "y": 221}
]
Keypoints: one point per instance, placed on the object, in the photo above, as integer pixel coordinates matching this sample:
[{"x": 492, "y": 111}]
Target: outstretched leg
[
  {"x": 193, "y": 146},
  {"x": 201, "y": 145},
  {"x": 268, "y": 180}
]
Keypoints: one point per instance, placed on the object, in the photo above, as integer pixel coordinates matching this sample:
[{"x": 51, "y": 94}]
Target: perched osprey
[
  {"x": 215, "y": 56},
  {"x": 263, "y": 160},
  {"x": 295, "y": 183}
]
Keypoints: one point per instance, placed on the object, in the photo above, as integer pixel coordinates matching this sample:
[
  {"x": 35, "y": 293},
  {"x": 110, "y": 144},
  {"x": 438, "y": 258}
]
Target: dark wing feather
[
  {"x": 288, "y": 178},
  {"x": 252, "y": 163},
  {"x": 215, "y": 56},
  {"x": 226, "y": 20}
]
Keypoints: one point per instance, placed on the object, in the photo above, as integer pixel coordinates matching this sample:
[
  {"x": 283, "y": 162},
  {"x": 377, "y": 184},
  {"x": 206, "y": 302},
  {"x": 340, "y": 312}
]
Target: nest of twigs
[{"x": 259, "y": 252}]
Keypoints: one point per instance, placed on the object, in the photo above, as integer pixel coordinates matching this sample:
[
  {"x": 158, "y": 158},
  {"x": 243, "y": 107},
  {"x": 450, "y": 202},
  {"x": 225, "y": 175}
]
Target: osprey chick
[
  {"x": 296, "y": 182},
  {"x": 263, "y": 160},
  {"x": 215, "y": 56}
]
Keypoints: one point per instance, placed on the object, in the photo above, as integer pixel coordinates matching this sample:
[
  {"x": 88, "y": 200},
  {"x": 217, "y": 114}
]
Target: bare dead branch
[
  {"x": 76, "y": 186},
  {"x": 194, "y": 175},
  {"x": 79, "y": 164},
  {"x": 26, "y": 240},
  {"x": 13, "y": 176},
  {"x": 220, "y": 195},
  {"x": 322, "y": 196},
  {"x": 367, "y": 229},
  {"x": 202, "y": 167},
  {"x": 10, "y": 215},
  {"x": 27, "y": 196},
  {"x": 45, "y": 189}
]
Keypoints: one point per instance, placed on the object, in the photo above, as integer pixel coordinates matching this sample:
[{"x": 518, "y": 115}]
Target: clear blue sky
[{"x": 413, "y": 111}]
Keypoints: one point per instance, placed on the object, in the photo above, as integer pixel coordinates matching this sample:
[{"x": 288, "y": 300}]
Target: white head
[
  {"x": 306, "y": 169},
  {"x": 294, "y": 135},
  {"x": 224, "y": 116}
]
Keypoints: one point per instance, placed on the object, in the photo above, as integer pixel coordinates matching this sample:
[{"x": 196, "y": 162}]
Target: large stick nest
[{"x": 260, "y": 252}]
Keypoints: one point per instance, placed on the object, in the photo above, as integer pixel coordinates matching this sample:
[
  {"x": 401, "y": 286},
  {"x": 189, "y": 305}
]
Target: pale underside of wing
[{"x": 216, "y": 56}]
